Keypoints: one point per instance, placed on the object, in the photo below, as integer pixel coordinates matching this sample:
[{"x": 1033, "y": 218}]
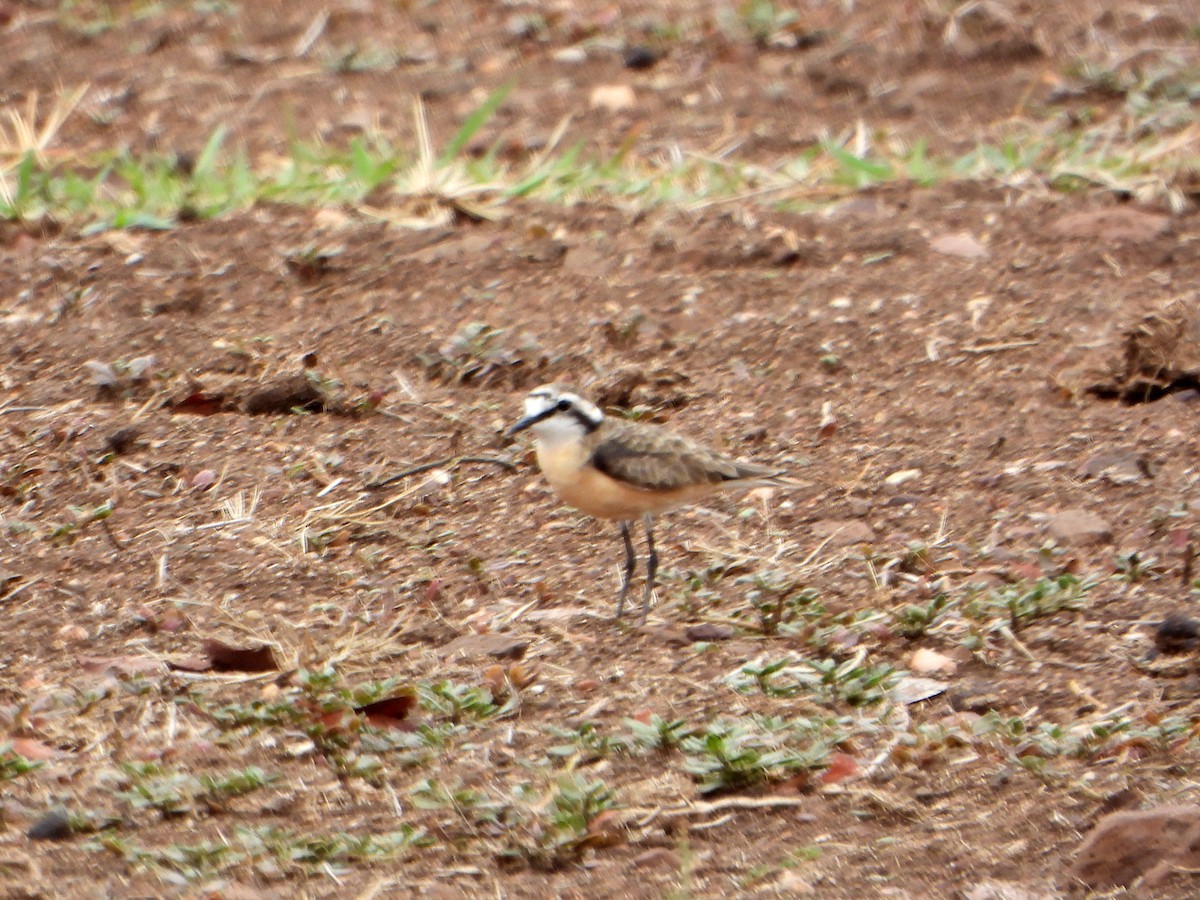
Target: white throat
[{"x": 559, "y": 430}]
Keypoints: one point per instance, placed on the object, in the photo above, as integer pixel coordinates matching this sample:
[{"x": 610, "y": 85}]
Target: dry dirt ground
[{"x": 929, "y": 392}]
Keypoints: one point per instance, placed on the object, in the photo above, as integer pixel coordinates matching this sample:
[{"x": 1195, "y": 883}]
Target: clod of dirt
[
  {"x": 222, "y": 657},
  {"x": 975, "y": 695},
  {"x": 1146, "y": 844},
  {"x": 707, "y": 631},
  {"x": 481, "y": 355},
  {"x": 53, "y": 826},
  {"x": 844, "y": 532},
  {"x": 993, "y": 32},
  {"x": 632, "y": 386},
  {"x": 1177, "y": 634},
  {"x": 311, "y": 263},
  {"x": 200, "y": 403},
  {"x": 1160, "y": 355},
  {"x": 1079, "y": 528},
  {"x": 295, "y": 392},
  {"x": 1117, "y": 466},
  {"x": 641, "y": 57},
  {"x": 390, "y": 712},
  {"x": 501, "y": 646},
  {"x": 1116, "y": 225},
  {"x": 657, "y": 858},
  {"x": 122, "y": 440}
]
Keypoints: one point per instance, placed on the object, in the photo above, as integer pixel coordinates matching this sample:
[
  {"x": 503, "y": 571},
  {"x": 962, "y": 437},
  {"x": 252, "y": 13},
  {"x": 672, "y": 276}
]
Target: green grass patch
[{"x": 124, "y": 190}]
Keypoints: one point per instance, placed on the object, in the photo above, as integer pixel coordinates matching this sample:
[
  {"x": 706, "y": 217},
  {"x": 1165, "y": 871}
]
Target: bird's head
[{"x": 555, "y": 414}]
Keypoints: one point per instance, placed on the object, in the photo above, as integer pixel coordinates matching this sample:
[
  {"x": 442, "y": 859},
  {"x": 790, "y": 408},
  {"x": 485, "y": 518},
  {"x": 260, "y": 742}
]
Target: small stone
[
  {"x": 960, "y": 244},
  {"x": 898, "y": 478},
  {"x": 844, "y": 532},
  {"x": 53, "y": 826},
  {"x": 1078, "y": 527},
  {"x": 500, "y": 646},
  {"x": 1146, "y": 844},
  {"x": 913, "y": 689},
  {"x": 612, "y": 97},
  {"x": 204, "y": 479},
  {"x": 570, "y": 55},
  {"x": 792, "y": 884},
  {"x": 858, "y": 507},
  {"x": 930, "y": 662},
  {"x": 1002, "y": 890},
  {"x": 1177, "y": 634},
  {"x": 73, "y": 633}
]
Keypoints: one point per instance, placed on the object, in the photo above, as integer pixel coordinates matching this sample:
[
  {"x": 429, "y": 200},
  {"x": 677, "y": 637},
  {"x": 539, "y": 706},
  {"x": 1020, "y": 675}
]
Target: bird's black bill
[{"x": 530, "y": 420}]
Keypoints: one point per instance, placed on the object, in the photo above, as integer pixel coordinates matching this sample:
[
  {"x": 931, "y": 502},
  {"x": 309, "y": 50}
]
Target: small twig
[
  {"x": 450, "y": 462},
  {"x": 109, "y": 532},
  {"x": 998, "y": 348},
  {"x": 716, "y": 806}
]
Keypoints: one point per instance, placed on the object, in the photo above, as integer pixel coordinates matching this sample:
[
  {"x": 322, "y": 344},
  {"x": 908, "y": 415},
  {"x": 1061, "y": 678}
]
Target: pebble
[{"x": 1078, "y": 527}]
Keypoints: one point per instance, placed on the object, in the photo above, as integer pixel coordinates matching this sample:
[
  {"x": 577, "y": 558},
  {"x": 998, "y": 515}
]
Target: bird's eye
[{"x": 563, "y": 405}]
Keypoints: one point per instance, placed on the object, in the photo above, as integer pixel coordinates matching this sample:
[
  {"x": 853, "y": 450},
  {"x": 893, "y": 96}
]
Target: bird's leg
[
  {"x": 651, "y": 566},
  {"x": 630, "y": 565}
]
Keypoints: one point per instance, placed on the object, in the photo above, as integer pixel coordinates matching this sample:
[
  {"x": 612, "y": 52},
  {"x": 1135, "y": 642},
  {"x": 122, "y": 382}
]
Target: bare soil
[{"x": 958, "y": 387}]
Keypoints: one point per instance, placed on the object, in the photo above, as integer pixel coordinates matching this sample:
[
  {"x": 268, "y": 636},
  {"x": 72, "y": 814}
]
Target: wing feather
[{"x": 653, "y": 458}]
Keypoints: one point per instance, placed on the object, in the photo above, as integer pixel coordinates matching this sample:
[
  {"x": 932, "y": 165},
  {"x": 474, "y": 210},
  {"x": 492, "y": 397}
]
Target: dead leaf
[
  {"x": 605, "y": 830},
  {"x": 391, "y": 712},
  {"x": 829, "y": 424},
  {"x": 912, "y": 689},
  {"x": 520, "y": 676},
  {"x": 493, "y": 679},
  {"x": 841, "y": 766}
]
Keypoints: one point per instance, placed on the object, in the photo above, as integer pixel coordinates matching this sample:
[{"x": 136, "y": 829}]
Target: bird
[{"x": 623, "y": 470}]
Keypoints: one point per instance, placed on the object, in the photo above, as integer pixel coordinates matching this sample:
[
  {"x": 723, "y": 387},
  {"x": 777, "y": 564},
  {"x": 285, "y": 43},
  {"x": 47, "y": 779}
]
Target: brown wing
[{"x": 656, "y": 459}]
